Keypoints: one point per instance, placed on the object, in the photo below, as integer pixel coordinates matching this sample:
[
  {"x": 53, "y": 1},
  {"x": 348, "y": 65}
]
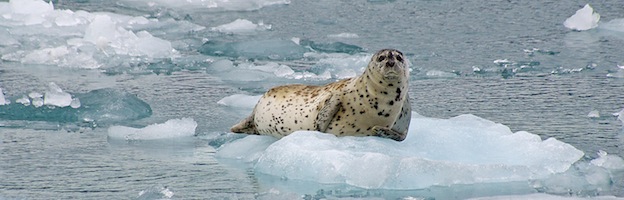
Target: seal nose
[{"x": 390, "y": 63}]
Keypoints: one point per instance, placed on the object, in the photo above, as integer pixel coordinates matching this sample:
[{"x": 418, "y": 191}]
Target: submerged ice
[{"x": 101, "y": 106}]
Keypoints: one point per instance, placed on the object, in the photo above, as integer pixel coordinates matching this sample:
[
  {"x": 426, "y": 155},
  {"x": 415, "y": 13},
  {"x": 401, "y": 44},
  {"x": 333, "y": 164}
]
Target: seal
[{"x": 375, "y": 103}]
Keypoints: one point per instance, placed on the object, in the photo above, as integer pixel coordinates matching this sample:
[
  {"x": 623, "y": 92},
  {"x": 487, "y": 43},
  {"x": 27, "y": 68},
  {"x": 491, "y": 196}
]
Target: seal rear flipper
[
  {"x": 246, "y": 126},
  {"x": 326, "y": 112}
]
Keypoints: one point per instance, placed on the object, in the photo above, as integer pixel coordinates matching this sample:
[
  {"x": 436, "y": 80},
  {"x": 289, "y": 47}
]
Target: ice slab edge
[
  {"x": 173, "y": 128},
  {"x": 436, "y": 152}
]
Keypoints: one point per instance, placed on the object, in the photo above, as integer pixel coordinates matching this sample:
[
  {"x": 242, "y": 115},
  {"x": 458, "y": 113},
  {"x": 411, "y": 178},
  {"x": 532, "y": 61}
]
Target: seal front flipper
[
  {"x": 326, "y": 112},
  {"x": 247, "y": 125},
  {"x": 401, "y": 124},
  {"x": 386, "y": 132}
]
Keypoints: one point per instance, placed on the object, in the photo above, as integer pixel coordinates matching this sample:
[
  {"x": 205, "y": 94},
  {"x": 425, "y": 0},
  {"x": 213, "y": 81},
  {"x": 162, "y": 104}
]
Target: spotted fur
[{"x": 373, "y": 104}]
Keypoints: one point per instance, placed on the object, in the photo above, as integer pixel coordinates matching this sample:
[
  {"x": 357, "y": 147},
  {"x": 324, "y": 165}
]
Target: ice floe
[
  {"x": 101, "y": 106},
  {"x": 584, "y": 19},
  {"x": 241, "y": 26},
  {"x": 437, "y": 152},
  {"x": 37, "y": 33},
  {"x": 173, "y": 128}
]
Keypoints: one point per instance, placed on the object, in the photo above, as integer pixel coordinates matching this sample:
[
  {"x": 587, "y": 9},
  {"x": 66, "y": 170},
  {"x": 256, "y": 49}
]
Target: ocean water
[{"x": 131, "y": 99}]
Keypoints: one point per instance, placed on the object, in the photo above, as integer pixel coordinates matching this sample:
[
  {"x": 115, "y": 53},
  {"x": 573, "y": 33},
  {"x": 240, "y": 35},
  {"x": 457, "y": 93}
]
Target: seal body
[{"x": 373, "y": 104}]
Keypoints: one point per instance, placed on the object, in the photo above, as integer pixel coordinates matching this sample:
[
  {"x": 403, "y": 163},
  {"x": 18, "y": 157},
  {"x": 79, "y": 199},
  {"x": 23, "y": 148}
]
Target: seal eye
[
  {"x": 381, "y": 58},
  {"x": 399, "y": 58}
]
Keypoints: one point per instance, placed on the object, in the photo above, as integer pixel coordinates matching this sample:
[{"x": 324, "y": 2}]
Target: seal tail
[{"x": 245, "y": 126}]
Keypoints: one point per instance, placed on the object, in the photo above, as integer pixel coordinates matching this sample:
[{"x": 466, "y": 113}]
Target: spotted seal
[{"x": 375, "y": 103}]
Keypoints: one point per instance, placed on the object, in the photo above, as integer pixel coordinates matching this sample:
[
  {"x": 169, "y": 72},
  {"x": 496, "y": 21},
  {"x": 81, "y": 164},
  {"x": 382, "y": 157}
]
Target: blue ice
[{"x": 437, "y": 152}]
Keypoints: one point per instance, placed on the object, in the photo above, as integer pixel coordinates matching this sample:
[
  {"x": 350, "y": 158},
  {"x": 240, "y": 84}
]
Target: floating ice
[
  {"x": 173, "y": 128},
  {"x": 55, "y": 96},
  {"x": 440, "y": 74},
  {"x": 344, "y": 35},
  {"x": 436, "y": 152},
  {"x": 273, "y": 49},
  {"x": 155, "y": 192},
  {"x": 36, "y": 33},
  {"x": 228, "y": 5},
  {"x": 608, "y": 161},
  {"x": 584, "y": 19},
  {"x": 104, "y": 32},
  {"x": 593, "y": 114},
  {"x": 3, "y": 101},
  {"x": 247, "y": 149},
  {"x": 241, "y": 26},
  {"x": 102, "y": 106},
  {"x": 240, "y": 101}
]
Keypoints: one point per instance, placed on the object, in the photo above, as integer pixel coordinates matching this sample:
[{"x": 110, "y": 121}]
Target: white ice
[
  {"x": 241, "y": 26},
  {"x": 584, "y": 19},
  {"x": 173, "y": 128},
  {"x": 79, "y": 39},
  {"x": 436, "y": 152},
  {"x": 344, "y": 35},
  {"x": 240, "y": 101},
  {"x": 55, "y": 96},
  {"x": 594, "y": 114},
  {"x": 3, "y": 101}
]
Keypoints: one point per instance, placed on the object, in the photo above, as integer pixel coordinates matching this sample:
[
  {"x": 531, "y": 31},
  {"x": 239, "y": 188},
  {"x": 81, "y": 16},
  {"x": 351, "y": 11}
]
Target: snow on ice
[
  {"x": 173, "y": 128},
  {"x": 584, "y": 19}
]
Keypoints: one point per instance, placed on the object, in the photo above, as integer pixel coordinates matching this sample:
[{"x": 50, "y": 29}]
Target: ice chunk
[
  {"x": 273, "y": 49},
  {"x": 155, "y": 192},
  {"x": 3, "y": 101},
  {"x": 102, "y": 106},
  {"x": 24, "y": 101},
  {"x": 594, "y": 114},
  {"x": 30, "y": 7},
  {"x": 241, "y": 26},
  {"x": 344, "y": 35},
  {"x": 608, "y": 161},
  {"x": 247, "y": 149},
  {"x": 75, "y": 103},
  {"x": 620, "y": 115},
  {"x": 104, "y": 33},
  {"x": 55, "y": 96},
  {"x": 436, "y": 152},
  {"x": 172, "y": 128},
  {"x": 584, "y": 19},
  {"x": 240, "y": 101},
  {"x": 440, "y": 74}
]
